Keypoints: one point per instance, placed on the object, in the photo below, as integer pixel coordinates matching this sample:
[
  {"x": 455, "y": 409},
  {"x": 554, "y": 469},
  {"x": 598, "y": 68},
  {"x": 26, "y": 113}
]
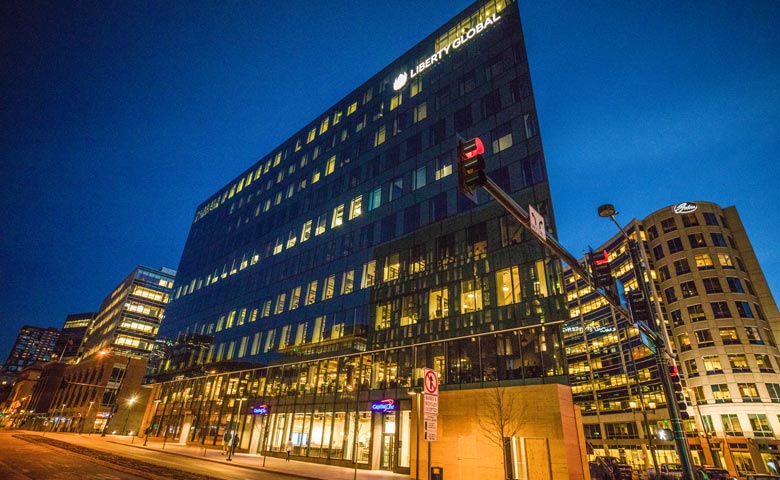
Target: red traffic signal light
[{"x": 471, "y": 165}]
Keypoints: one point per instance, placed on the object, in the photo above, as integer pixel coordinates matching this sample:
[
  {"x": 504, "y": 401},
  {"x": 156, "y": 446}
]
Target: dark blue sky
[{"x": 118, "y": 118}]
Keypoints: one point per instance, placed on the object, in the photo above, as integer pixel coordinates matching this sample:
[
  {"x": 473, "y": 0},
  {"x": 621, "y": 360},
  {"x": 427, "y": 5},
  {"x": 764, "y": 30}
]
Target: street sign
[
  {"x": 431, "y": 382},
  {"x": 430, "y": 404},
  {"x": 430, "y": 428},
  {"x": 537, "y": 222}
]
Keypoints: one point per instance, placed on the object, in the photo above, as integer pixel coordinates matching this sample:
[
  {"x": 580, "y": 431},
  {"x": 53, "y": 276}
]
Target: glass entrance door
[
  {"x": 388, "y": 451},
  {"x": 388, "y": 442}
]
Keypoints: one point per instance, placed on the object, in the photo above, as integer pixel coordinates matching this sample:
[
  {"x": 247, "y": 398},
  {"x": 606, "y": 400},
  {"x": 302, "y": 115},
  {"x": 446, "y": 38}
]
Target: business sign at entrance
[
  {"x": 401, "y": 79},
  {"x": 431, "y": 382},
  {"x": 260, "y": 410},
  {"x": 383, "y": 406}
]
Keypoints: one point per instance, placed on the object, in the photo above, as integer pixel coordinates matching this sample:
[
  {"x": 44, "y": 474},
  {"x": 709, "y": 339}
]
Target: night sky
[{"x": 118, "y": 118}]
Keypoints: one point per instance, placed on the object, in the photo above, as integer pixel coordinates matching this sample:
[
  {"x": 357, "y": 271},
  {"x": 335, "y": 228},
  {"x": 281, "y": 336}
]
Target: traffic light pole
[{"x": 655, "y": 334}]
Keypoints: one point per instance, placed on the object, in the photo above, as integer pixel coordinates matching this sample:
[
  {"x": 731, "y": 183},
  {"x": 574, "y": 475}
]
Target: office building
[
  {"x": 130, "y": 316},
  {"x": 73, "y": 334},
  {"x": 33, "y": 344},
  {"x": 721, "y": 321},
  {"x": 330, "y": 273}
]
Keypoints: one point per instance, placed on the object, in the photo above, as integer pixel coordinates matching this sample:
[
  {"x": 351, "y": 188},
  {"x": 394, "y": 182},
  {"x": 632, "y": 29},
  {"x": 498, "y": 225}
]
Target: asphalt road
[{"x": 32, "y": 457}]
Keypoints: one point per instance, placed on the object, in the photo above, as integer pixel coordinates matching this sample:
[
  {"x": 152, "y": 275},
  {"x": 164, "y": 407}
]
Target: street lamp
[
  {"x": 130, "y": 403},
  {"x": 608, "y": 211},
  {"x": 154, "y": 415},
  {"x": 416, "y": 392}
]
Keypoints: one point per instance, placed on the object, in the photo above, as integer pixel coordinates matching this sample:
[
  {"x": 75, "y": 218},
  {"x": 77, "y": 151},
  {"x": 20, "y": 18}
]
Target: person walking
[
  {"x": 288, "y": 447},
  {"x": 226, "y": 441}
]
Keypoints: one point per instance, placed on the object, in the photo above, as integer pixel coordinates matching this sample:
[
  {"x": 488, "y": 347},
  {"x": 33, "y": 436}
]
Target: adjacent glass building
[
  {"x": 330, "y": 272},
  {"x": 129, "y": 317},
  {"x": 33, "y": 344},
  {"x": 721, "y": 321}
]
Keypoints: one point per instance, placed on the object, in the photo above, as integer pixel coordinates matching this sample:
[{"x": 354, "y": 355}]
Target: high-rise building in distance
[
  {"x": 722, "y": 323},
  {"x": 33, "y": 344}
]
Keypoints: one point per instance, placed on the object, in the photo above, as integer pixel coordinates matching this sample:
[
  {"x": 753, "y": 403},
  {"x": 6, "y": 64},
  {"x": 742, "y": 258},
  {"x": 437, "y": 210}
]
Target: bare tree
[{"x": 500, "y": 418}]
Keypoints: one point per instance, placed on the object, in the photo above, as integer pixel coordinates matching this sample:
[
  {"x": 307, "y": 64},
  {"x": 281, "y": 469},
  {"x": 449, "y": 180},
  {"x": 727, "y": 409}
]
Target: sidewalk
[{"x": 304, "y": 470}]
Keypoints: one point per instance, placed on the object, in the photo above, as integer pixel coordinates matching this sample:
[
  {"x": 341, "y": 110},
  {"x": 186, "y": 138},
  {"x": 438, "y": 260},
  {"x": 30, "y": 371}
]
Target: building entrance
[{"x": 388, "y": 456}]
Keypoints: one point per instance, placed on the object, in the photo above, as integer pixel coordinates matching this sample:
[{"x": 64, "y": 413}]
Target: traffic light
[
  {"x": 677, "y": 391},
  {"x": 471, "y": 165},
  {"x": 601, "y": 271},
  {"x": 638, "y": 307}
]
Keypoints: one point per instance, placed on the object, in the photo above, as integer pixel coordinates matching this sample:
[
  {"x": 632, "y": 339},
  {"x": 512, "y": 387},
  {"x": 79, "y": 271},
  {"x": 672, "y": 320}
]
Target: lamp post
[
  {"x": 416, "y": 392},
  {"x": 661, "y": 354},
  {"x": 130, "y": 403},
  {"x": 154, "y": 415}
]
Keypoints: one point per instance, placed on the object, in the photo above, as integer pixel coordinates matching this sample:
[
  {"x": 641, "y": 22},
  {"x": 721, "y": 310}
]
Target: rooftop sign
[
  {"x": 472, "y": 32},
  {"x": 685, "y": 207}
]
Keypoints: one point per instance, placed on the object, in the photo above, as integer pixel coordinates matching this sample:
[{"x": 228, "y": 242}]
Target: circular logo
[
  {"x": 685, "y": 207},
  {"x": 400, "y": 81}
]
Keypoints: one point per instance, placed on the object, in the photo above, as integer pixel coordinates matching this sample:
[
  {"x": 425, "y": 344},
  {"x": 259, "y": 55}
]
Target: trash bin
[{"x": 437, "y": 473}]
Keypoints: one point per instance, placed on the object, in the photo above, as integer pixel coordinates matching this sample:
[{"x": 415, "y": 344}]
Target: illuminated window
[
  {"x": 291, "y": 239},
  {"x": 351, "y": 109},
  {"x": 384, "y": 313},
  {"x": 338, "y": 216},
  {"x": 369, "y": 274},
  {"x": 502, "y": 137},
  {"x": 330, "y": 166},
  {"x": 355, "y": 207},
  {"x": 392, "y": 268},
  {"x": 315, "y": 176},
  {"x": 508, "y": 286},
  {"x": 347, "y": 282},
  {"x": 684, "y": 342},
  {"x": 266, "y": 309},
  {"x": 329, "y": 287},
  {"x": 311, "y": 293},
  {"x": 415, "y": 87},
  {"x": 280, "y": 303},
  {"x": 279, "y": 245},
  {"x": 337, "y": 117},
  {"x": 443, "y": 167},
  {"x": 421, "y": 112},
  {"x": 298, "y": 145},
  {"x": 712, "y": 364},
  {"x": 324, "y": 125},
  {"x": 471, "y": 296},
  {"x": 306, "y": 231},
  {"x": 322, "y": 223},
  {"x": 295, "y": 298},
  {"x": 396, "y": 101},
  {"x": 312, "y": 135},
  {"x": 725, "y": 260},
  {"x": 438, "y": 303},
  {"x": 379, "y": 136}
]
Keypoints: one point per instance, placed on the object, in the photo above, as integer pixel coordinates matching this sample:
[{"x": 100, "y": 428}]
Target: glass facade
[{"x": 332, "y": 271}]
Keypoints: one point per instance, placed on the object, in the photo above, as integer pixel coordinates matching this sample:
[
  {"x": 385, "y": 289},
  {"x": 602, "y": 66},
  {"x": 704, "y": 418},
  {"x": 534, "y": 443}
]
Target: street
[{"x": 29, "y": 455}]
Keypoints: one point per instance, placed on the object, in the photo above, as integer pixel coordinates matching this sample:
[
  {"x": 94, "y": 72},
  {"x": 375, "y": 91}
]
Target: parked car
[
  {"x": 713, "y": 473},
  {"x": 667, "y": 471},
  {"x": 610, "y": 468}
]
